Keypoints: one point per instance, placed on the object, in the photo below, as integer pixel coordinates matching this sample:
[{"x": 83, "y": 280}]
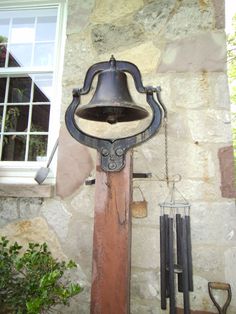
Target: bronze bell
[{"x": 111, "y": 101}]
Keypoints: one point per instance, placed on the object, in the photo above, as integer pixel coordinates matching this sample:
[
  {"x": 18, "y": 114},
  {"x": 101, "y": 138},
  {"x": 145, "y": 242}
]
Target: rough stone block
[
  {"x": 83, "y": 202},
  {"x": 145, "y": 285},
  {"x": 219, "y": 9},
  {"x": 210, "y": 125},
  {"x": 230, "y": 270},
  {"x": 34, "y": 230},
  {"x": 78, "y": 244},
  {"x": 193, "y": 161},
  {"x": 199, "y": 299},
  {"x": 214, "y": 223},
  {"x": 107, "y": 11},
  {"x": 78, "y": 15},
  {"x": 209, "y": 261},
  {"x": 57, "y": 217},
  {"x": 185, "y": 55},
  {"x": 138, "y": 56},
  {"x": 198, "y": 190},
  {"x": 227, "y": 169},
  {"x": 198, "y": 20},
  {"x": 29, "y": 207},
  {"x": 137, "y": 308},
  {"x": 154, "y": 15},
  {"x": 145, "y": 247},
  {"x": 110, "y": 37},
  {"x": 201, "y": 90},
  {"x": 191, "y": 90},
  {"x": 219, "y": 90},
  {"x": 8, "y": 209}
]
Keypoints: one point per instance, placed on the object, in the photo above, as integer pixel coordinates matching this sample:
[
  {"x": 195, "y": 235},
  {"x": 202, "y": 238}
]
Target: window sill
[{"x": 26, "y": 190}]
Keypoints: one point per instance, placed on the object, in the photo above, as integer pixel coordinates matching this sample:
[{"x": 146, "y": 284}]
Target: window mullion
[
  {"x": 29, "y": 122},
  {"x": 4, "y": 115}
]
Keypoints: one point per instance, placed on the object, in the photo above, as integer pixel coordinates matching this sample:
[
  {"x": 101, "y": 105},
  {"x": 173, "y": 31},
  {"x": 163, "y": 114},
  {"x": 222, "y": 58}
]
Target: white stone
[
  {"x": 201, "y": 90},
  {"x": 78, "y": 15},
  {"x": 83, "y": 202},
  {"x": 8, "y": 209},
  {"x": 210, "y": 125},
  {"x": 191, "y": 90},
  {"x": 145, "y": 247},
  {"x": 57, "y": 217},
  {"x": 192, "y": 161},
  {"x": 199, "y": 299},
  {"x": 179, "y": 26},
  {"x": 230, "y": 270},
  {"x": 219, "y": 90},
  {"x": 138, "y": 56},
  {"x": 198, "y": 190},
  {"x": 34, "y": 230},
  {"x": 108, "y": 10},
  {"x": 213, "y": 222},
  {"x": 145, "y": 284},
  {"x": 185, "y": 55}
]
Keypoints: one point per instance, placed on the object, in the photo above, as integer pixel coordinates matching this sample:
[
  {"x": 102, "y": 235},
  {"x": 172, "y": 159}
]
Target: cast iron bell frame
[{"x": 113, "y": 151}]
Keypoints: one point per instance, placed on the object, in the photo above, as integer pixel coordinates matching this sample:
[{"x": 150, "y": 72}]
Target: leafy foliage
[
  {"x": 32, "y": 282},
  {"x": 232, "y": 61},
  {"x": 231, "y": 43}
]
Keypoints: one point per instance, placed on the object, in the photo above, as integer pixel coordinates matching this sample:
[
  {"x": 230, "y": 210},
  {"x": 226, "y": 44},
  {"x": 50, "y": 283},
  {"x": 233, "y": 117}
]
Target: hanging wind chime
[{"x": 175, "y": 244}]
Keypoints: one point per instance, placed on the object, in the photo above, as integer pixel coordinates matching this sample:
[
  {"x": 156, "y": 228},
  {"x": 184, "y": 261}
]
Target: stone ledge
[{"x": 26, "y": 190}]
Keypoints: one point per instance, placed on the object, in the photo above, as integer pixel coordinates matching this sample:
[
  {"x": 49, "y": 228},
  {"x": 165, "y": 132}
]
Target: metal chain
[{"x": 166, "y": 150}]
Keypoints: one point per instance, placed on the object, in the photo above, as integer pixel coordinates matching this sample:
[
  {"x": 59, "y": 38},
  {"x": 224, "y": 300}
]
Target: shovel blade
[{"x": 41, "y": 175}]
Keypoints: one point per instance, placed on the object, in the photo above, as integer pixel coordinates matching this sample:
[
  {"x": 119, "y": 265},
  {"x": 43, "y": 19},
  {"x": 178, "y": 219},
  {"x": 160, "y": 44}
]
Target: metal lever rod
[
  {"x": 171, "y": 267},
  {"x": 189, "y": 253},
  {"x": 185, "y": 268},
  {"x": 179, "y": 250},
  {"x": 163, "y": 261}
]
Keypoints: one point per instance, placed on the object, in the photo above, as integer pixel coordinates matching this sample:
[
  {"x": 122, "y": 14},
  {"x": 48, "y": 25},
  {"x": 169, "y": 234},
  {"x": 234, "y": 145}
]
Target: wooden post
[{"x": 110, "y": 292}]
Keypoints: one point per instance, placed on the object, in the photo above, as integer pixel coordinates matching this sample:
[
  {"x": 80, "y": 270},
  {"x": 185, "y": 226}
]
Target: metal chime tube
[
  {"x": 185, "y": 267},
  {"x": 189, "y": 251},
  {"x": 179, "y": 253},
  {"x": 171, "y": 266},
  {"x": 163, "y": 261},
  {"x": 166, "y": 219}
]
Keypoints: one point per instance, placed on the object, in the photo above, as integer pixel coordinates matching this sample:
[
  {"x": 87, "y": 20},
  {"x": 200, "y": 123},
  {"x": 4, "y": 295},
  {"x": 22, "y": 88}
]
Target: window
[{"x": 30, "y": 50}]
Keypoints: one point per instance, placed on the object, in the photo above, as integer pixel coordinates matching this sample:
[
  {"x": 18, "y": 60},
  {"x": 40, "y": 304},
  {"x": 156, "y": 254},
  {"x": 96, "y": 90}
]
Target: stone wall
[{"x": 179, "y": 45}]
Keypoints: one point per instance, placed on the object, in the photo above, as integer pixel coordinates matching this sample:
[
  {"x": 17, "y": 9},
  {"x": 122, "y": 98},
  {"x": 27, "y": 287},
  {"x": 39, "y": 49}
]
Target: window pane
[
  {"x": 43, "y": 54},
  {"x": 4, "y": 30},
  {"x": 42, "y": 88},
  {"x": 37, "y": 146},
  {"x": 14, "y": 147},
  {"x": 22, "y": 30},
  {"x": 46, "y": 28},
  {"x": 19, "y": 90},
  {"x": 16, "y": 119},
  {"x": 20, "y": 55},
  {"x": 2, "y": 89},
  {"x": 3, "y": 52},
  {"x": 1, "y": 114},
  {"x": 40, "y": 118}
]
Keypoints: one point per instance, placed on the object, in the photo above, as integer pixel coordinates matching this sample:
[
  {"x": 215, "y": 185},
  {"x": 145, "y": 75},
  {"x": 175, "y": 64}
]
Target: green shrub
[{"x": 32, "y": 281}]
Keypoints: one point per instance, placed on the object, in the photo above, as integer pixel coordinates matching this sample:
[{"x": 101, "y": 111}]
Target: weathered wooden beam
[{"x": 110, "y": 292}]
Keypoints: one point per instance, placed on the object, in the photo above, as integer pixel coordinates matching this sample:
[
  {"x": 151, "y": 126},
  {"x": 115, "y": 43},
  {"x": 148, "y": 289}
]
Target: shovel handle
[
  {"x": 52, "y": 153},
  {"x": 219, "y": 285}
]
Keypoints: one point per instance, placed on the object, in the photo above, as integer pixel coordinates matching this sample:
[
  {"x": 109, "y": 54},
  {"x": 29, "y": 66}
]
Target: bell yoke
[{"x": 113, "y": 103}]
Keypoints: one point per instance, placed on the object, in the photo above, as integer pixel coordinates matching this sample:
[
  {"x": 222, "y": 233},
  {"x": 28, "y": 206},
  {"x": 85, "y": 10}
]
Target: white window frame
[{"x": 14, "y": 172}]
